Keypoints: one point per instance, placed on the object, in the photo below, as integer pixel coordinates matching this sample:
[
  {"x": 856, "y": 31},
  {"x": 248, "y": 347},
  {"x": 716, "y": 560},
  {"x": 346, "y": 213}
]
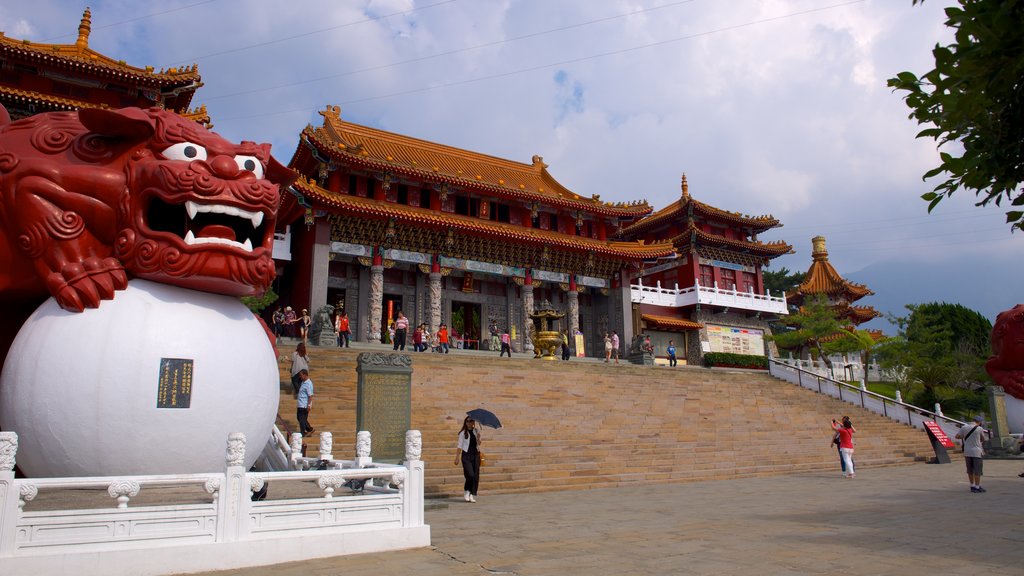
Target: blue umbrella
[{"x": 484, "y": 417}]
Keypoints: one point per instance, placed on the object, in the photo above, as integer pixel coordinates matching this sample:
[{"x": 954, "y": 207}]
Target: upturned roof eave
[{"x": 338, "y": 150}]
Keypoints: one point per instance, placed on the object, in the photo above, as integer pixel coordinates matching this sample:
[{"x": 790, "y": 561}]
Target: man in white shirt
[
  {"x": 304, "y": 403},
  {"x": 973, "y": 437}
]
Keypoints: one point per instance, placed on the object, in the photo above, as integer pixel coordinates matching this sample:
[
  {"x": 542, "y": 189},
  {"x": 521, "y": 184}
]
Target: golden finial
[
  {"x": 83, "y": 29},
  {"x": 686, "y": 187},
  {"x": 818, "y": 252}
]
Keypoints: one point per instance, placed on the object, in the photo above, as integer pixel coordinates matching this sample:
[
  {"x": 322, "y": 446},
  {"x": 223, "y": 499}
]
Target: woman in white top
[
  {"x": 468, "y": 453},
  {"x": 300, "y": 362}
]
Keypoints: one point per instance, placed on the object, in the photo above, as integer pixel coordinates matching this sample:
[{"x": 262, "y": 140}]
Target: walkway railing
[
  {"x": 210, "y": 521},
  {"x": 877, "y": 403}
]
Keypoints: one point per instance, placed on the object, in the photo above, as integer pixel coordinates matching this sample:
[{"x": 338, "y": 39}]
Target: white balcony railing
[
  {"x": 283, "y": 245},
  {"x": 715, "y": 296}
]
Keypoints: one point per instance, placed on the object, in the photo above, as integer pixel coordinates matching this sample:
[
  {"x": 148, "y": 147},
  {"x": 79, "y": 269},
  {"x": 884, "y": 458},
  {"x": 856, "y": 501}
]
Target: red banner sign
[{"x": 939, "y": 434}]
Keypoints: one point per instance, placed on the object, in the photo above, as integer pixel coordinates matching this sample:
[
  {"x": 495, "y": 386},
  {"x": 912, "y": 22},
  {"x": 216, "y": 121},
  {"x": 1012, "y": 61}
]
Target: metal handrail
[{"x": 949, "y": 425}]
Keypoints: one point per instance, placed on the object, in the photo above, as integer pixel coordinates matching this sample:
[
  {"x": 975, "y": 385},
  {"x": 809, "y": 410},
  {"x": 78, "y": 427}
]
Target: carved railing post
[
  {"x": 295, "y": 444},
  {"x": 363, "y": 446},
  {"x": 236, "y": 491},
  {"x": 9, "y": 497},
  {"x": 326, "y": 446},
  {"x": 412, "y": 487}
]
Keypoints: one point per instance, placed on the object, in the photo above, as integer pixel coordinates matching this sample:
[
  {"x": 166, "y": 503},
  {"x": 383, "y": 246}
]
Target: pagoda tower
[
  {"x": 822, "y": 278},
  {"x": 710, "y": 296},
  {"x": 37, "y": 77}
]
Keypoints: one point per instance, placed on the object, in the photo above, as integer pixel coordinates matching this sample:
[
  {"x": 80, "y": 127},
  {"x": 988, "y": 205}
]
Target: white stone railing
[
  {"x": 895, "y": 409},
  {"x": 844, "y": 368},
  {"x": 715, "y": 296},
  {"x": 209, "y": 521}
]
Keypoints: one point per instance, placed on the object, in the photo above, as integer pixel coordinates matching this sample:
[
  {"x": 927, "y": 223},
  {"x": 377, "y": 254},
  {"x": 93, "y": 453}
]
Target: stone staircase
[{"x": 587, "y": 424}]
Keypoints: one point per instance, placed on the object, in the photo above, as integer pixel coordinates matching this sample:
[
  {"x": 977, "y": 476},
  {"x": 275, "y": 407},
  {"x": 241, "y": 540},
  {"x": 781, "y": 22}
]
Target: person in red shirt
[
  {"x": 442, "y": 337},
  {"x": 341, "y": 324},
  {"x": 417, "y": 339},
  {"x": 846, "y": 432}
]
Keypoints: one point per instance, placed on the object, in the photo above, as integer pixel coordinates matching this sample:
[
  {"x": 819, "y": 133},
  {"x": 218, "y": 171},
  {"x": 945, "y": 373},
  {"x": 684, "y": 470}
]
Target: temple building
[
  {"x": 711, "y": 296},
  {"x": 36, "y": 77},
  {"x": 380, "y": 222},
  {"x": 823, "y": 279}
]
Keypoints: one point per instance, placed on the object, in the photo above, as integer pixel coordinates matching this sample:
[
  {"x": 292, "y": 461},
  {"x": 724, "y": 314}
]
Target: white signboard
[{"x": 736, "y": 340}]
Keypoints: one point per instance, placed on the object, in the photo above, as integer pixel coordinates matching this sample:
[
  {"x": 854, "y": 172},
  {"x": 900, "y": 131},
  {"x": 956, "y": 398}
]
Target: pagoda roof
[
  {"x": 693, "y": 236},
  {"x": 428, "y": 161},
  {"x": 670, "y": 322},
  {"x": 79, "y": 58},
  {"x": 369, "y": 207},
  {"x": 822, "y": 278},
  {"x": 679, "y": 210},
  {"x": 52, "y": 102}
]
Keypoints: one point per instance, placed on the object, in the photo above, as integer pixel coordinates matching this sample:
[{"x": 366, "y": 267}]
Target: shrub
[{"x": 735, "y": 360}]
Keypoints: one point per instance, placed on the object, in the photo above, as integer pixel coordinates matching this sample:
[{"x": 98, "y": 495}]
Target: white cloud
[{"x": 769, "y": 106}]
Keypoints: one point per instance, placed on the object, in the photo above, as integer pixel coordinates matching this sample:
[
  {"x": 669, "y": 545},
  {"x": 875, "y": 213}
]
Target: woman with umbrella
[{"x": 468, "y": 452}]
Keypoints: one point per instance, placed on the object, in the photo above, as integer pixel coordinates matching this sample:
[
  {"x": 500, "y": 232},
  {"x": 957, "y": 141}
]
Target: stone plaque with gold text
[{"x": 384, "y": 402}]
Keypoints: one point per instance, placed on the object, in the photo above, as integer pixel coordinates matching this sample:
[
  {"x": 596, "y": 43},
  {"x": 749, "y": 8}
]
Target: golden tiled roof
[
  {"x": 432, "y": 162},
  {"x": 669, "y": 322},
  {"x": 822, "y": 278},
  {"x": 79, "y": 56},
  {"x": 679, "y": 209},
  {"x": 359, "y": 206},
  {"x": 53, "y": 102}
]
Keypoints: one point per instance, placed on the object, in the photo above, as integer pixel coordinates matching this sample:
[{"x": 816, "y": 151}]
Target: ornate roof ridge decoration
[
  {"x": 442, "y": 163},
  {"x": 680, "y": 206},
  {"x": 443, "y": 220},
  {"x": 822, "y": 278},
  {"x": 56, "y": 101},
  {"x": 199, "y": 115},
  {"x": 670, "y": 322},
  {"x": 775, "y": 247},
  {"x": 81, "y": 55}
]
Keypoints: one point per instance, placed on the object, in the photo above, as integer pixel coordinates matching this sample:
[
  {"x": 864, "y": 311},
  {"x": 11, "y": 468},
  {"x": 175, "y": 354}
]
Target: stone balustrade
[{"x": 210, "y": 521}]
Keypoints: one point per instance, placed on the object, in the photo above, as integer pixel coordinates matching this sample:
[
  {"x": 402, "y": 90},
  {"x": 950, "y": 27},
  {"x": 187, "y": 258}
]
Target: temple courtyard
[{"x": 898, "y": 520}]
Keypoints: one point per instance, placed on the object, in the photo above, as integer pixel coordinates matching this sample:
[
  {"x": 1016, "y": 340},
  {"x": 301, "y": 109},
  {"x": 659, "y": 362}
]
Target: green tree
[
  {"x": 813, "y": 325},
  {"x": 939, "y": 350},
  {"x": 781, "y": 281},
  {"x": 975, "y": 97},
  {"x": 258, "y": 303},
  {"x": 859, "y": 342}
]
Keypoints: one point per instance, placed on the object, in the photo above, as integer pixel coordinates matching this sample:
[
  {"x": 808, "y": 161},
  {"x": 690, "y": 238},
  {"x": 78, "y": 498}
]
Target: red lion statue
[
  {"x": 1006, "y": 366},
  {"x": 91, "y": 198}
]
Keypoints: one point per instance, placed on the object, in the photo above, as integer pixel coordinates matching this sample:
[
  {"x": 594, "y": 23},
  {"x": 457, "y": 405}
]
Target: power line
[
  {"x": 314, "y": 32},
  {"x": 553, "y": 64},
  {"x": 136, "y": 19},
  {"x": 451, "y": 52}
]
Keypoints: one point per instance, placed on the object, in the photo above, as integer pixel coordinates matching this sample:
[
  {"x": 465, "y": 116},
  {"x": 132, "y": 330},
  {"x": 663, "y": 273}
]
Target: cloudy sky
[{"x": 768, "y": 106}]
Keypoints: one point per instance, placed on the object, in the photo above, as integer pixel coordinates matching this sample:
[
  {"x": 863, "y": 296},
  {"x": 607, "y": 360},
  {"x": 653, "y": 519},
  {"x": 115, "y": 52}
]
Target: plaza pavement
[{"x": 904, "y": 520}]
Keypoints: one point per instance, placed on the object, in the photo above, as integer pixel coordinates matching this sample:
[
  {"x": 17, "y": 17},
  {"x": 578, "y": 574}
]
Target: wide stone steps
[{"x": 586, "y": 424}]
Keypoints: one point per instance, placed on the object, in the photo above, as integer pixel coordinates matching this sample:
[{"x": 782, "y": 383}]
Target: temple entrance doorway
[
  {"x": 466, "y": 323},
  {"x": 392, "y": 305},
  {"x": 336, "y": 298}
]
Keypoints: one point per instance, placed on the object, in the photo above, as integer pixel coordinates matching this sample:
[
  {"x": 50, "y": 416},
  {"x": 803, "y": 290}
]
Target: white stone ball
[{"x": 81, "y": 389}]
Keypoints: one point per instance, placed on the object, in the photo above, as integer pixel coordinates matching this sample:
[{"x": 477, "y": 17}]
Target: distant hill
[{"x": 987, "y": 284}]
